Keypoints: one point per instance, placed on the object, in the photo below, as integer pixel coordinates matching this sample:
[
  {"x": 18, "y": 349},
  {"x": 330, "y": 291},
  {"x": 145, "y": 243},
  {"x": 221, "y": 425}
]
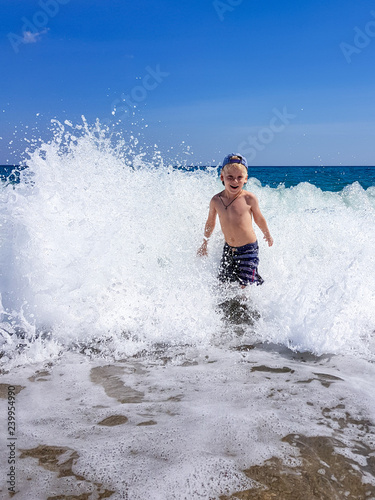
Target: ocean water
[{"x": 137, "y": 376}]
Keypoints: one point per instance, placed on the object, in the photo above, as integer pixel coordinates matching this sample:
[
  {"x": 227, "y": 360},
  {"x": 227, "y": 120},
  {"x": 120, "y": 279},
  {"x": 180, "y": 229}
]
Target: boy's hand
[
  {"x": 202, "y": 250},
  {"x": 269, "y": 239}
]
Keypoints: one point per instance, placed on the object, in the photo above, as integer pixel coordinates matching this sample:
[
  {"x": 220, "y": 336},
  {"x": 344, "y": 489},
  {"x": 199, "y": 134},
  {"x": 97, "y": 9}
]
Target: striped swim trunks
[{"x": 240, "y": 264}]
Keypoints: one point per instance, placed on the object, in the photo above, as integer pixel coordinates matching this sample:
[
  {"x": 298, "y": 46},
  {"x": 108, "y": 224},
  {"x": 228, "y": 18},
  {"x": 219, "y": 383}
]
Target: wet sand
[{"x": 253, "y": 422}]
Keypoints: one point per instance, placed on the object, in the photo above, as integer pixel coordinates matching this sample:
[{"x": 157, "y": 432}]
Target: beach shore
[{"x": 252, "y": 422}]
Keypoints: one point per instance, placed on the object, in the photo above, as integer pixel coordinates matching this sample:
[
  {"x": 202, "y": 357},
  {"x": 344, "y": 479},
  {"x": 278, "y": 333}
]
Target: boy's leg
[
  {"x": 228, "y": 270},
  {"x": 247, "y": 261}
]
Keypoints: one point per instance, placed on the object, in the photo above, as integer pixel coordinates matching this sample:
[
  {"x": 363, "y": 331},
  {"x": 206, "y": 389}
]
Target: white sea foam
[
  {"x": 98, "y": 244},
  {"x": 197, "y": 424}
]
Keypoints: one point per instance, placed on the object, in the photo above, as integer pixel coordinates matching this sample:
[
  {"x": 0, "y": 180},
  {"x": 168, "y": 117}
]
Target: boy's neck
[{"x": 230, "y": 195}]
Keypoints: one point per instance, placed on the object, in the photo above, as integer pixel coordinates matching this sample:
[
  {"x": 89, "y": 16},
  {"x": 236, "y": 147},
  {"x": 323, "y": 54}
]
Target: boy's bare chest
[{"x": 239, "y": 209}]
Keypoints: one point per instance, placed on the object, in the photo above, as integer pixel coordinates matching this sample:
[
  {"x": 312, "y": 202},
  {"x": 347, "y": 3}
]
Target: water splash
[{"x": 99, "y": 249}]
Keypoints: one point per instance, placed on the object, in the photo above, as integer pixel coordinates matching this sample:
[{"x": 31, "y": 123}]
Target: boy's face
[{"x": 234, "y": 177}]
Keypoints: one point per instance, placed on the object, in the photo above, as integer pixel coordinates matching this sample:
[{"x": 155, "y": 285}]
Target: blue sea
[
  {"x": 325, "y": 178},
  {"x": 137, "y": 376}
]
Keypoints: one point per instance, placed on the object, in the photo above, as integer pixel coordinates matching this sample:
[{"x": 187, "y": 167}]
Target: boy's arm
[
  {"x": 208, "y": 229},
  {"x": 260, "y": 221}
]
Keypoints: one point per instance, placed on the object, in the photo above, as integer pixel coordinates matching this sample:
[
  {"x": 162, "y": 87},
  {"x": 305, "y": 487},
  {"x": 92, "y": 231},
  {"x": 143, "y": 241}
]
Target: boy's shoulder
[
  {"x": 248, "y": 194},
  {"x": 250, "y": 198},
  {"x": 217, "y": 195}
]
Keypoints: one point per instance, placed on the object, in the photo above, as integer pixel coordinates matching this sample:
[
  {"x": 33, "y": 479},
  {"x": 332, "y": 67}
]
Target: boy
[{"x": 236, "y": 208}]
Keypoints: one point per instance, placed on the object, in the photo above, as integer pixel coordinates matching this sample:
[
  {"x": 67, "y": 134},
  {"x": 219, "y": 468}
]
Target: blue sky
[{"x": 285, "y": 83}]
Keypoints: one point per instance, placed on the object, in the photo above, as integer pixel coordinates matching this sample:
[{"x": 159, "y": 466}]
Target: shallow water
[{"x": 196, "y": 423}]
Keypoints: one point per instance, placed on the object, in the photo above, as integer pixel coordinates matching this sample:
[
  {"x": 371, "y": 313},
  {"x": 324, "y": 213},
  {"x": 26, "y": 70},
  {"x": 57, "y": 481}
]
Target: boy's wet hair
[{"x": 235, "y": 164}]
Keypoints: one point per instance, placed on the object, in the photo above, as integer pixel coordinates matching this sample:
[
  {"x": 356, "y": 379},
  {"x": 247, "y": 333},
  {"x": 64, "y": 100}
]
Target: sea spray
[
  {"x": 325, "y": 263},
  {"x": 104, "y": 245}
]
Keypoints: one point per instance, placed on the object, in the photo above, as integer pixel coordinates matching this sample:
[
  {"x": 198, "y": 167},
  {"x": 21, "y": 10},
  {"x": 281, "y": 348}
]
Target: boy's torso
[{"x": 235, "y": 218}]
